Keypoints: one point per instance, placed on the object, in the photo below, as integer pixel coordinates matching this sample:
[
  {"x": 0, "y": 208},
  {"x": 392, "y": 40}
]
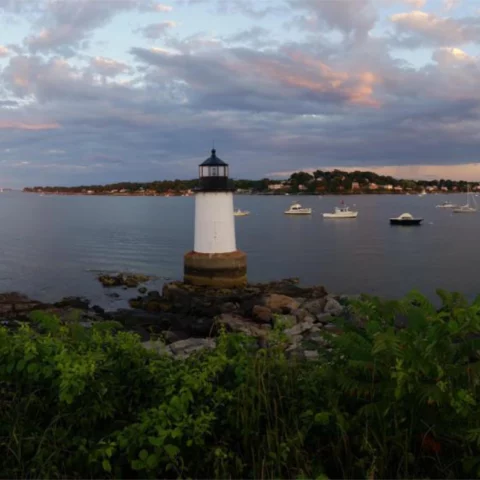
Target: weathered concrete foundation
[{"x": 217, "y": 270}]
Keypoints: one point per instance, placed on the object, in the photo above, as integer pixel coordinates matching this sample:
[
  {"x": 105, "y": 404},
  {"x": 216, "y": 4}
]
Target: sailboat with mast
[{"x": 467, "y": 208}]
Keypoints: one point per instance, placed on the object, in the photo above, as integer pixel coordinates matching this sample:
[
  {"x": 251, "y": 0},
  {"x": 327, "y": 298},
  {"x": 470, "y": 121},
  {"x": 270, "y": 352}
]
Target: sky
[{"x": 102, "y": 91}]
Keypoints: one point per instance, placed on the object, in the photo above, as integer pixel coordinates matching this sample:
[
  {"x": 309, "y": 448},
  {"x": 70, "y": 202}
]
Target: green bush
[{"x": 385, "y": 402}]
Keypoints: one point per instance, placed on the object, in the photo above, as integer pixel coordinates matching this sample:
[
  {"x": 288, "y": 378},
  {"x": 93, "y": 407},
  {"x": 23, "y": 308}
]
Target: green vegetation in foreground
[
  {"x": 336, "y": 181},
  {"x": 384, "y": 403}
]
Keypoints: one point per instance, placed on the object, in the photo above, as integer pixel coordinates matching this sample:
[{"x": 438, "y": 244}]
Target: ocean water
[{"x": 54, "y": 246}]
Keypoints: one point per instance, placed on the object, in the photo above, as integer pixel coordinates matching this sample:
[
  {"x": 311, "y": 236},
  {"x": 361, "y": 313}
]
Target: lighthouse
[{"x": 215, "y": 261}]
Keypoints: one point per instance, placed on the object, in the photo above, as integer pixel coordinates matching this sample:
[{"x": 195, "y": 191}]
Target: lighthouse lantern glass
[{"x": 213, "y": 171}]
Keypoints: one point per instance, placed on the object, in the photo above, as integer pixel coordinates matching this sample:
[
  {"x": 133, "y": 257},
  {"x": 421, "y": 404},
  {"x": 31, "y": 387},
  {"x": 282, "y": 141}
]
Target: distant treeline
[{"x": 320, "y": 181}]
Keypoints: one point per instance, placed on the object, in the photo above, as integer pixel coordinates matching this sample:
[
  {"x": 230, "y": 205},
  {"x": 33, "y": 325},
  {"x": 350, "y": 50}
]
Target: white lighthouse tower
[{"x": 215, "y": 260}]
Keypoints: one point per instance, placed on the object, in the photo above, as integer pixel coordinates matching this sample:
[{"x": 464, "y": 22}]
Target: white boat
[
  {"x": 241, "y": 213},
  {"x": 422, "y": 194},
  {"x": 297, "y": 209},
  {"x": 467, "y": 208},
  {"x": 341, "y": 212},
  {"x": 447, "y": 205}
]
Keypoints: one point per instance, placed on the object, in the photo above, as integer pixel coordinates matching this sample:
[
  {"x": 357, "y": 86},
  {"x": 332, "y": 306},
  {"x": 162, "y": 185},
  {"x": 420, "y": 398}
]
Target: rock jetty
[{"x": 184, "y": 318}]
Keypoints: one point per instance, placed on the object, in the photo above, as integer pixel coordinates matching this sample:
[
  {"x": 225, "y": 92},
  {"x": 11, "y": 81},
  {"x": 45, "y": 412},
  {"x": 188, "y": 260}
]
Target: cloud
[
  {"x": 108, "y": 67},
  {"x": 163, "y": 8},
  {"x": 65, "y": 24},
  {"x": 157, "y": 30},
  {"x": 5, "y": 125},
  {"x": 4, "y": 52},
  {"x": 250, "y": 78},
  {"x": 418, "y": 28},
  {"x": 451, "y": 4},
  {"x": 452, "y": 55},
  {"x": 257, "y": 37},
  {"x": 354, "y": 18}
]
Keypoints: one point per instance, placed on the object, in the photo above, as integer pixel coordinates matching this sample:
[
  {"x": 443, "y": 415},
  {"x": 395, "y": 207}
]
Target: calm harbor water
[{"x": 53, "y": 246}]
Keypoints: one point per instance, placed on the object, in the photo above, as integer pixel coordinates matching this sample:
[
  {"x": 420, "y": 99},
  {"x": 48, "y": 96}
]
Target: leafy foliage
[{"x": 386, "y": 401}]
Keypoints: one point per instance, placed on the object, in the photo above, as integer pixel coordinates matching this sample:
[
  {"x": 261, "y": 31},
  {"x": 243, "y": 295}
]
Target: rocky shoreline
[{"x": 183, "y": 318}]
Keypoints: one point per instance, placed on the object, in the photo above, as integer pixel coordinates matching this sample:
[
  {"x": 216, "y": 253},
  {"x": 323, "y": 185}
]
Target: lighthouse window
[{"x": 214, "y": 172}]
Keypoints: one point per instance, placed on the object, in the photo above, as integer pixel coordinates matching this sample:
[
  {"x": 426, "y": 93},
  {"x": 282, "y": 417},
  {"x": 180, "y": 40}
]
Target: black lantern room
[{"x": 213, "y": 174}]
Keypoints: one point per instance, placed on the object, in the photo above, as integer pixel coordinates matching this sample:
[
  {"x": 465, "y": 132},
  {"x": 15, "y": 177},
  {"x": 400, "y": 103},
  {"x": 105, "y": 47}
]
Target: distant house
[
  {"x": 355, "y": 186},
  {"x": 302, "y": 188},
  {"x": 388, "y": 187},
  {"x": 276, "y": 186},
  {"x": 90, "y": 192},
  {"x": 398, "y": 188},
  {"x": 432, "y": 188},
  {"x": 444, "y": 189},
  {"x": 373, "y": 186}
]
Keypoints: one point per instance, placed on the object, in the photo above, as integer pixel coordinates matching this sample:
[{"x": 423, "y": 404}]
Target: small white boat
[
  {"x": 447, "y": 205},
  {"x": 422, "y": 194},
  {"x": 341, "y": 212},
  {"x": 297, "y": 209},
  {"x": 241, "y": 213}
]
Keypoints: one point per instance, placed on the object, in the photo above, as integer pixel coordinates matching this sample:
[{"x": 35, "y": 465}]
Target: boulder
[
  {"x": 261, "y": 314},
  {"x": 315, "y": 306},
  {"x": 300, "y": 314},
  {"x": 318, "y": 292},
  {"x": 184, "y": 348},
  {"x": 237, "y": 324},
  {"x": 299, "y": 328},
  {"x": 142, "y": 290},
  {"x": 73, "y": 302},
  {"x": 280, "y": 303},
  {"x": 324, "y": 318},
  {"x": 228, "y": 307},
  {"x": 170, "y": 336},
  {"x": 310, "y": 354},
  {"x": 129, "y": 280},
  {"x": 333, "y": 307}
]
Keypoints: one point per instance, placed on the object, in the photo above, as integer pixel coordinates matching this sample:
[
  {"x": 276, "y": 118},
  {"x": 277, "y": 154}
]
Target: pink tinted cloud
[
  {"x": 308, "y": 73},
  {"x": 8, "y": 125}
]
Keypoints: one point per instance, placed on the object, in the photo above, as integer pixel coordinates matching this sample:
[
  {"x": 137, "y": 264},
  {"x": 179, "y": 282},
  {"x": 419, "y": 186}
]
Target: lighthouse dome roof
[{"x": 213, "y": 161}]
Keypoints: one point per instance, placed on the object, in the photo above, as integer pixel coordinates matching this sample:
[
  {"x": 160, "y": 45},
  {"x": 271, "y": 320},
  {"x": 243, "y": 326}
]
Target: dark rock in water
[
  {"x": 73, "y": 302},
  {"x": 113, "y": 295},
  {"x": 153, "y": 294},
  {"x": 98, "y": 310},
  {"x": 129, "y": 280},
  {"x": 142, "y": 290}
]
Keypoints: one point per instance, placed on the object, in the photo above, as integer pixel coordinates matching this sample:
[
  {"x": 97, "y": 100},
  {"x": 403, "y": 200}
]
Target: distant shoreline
[{"x": 302, "y": 194}]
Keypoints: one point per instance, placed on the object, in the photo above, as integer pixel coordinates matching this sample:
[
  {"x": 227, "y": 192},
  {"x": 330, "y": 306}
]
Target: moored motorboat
[
  {"x": 406, "y": 219},
  {"x": 297, "y": 209},
  {"x": 341, "y": 212},
  {"x": 447, "y": 205},
  {"x": 241, "y": 213}
]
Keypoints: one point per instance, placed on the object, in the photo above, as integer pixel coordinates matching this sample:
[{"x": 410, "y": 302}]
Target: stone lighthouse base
[{"x": 217, "y": 270}]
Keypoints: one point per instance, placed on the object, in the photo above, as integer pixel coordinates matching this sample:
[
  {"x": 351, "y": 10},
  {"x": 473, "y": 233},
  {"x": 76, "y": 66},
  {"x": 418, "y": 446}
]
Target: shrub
[{"x": 386, "y": 402}]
